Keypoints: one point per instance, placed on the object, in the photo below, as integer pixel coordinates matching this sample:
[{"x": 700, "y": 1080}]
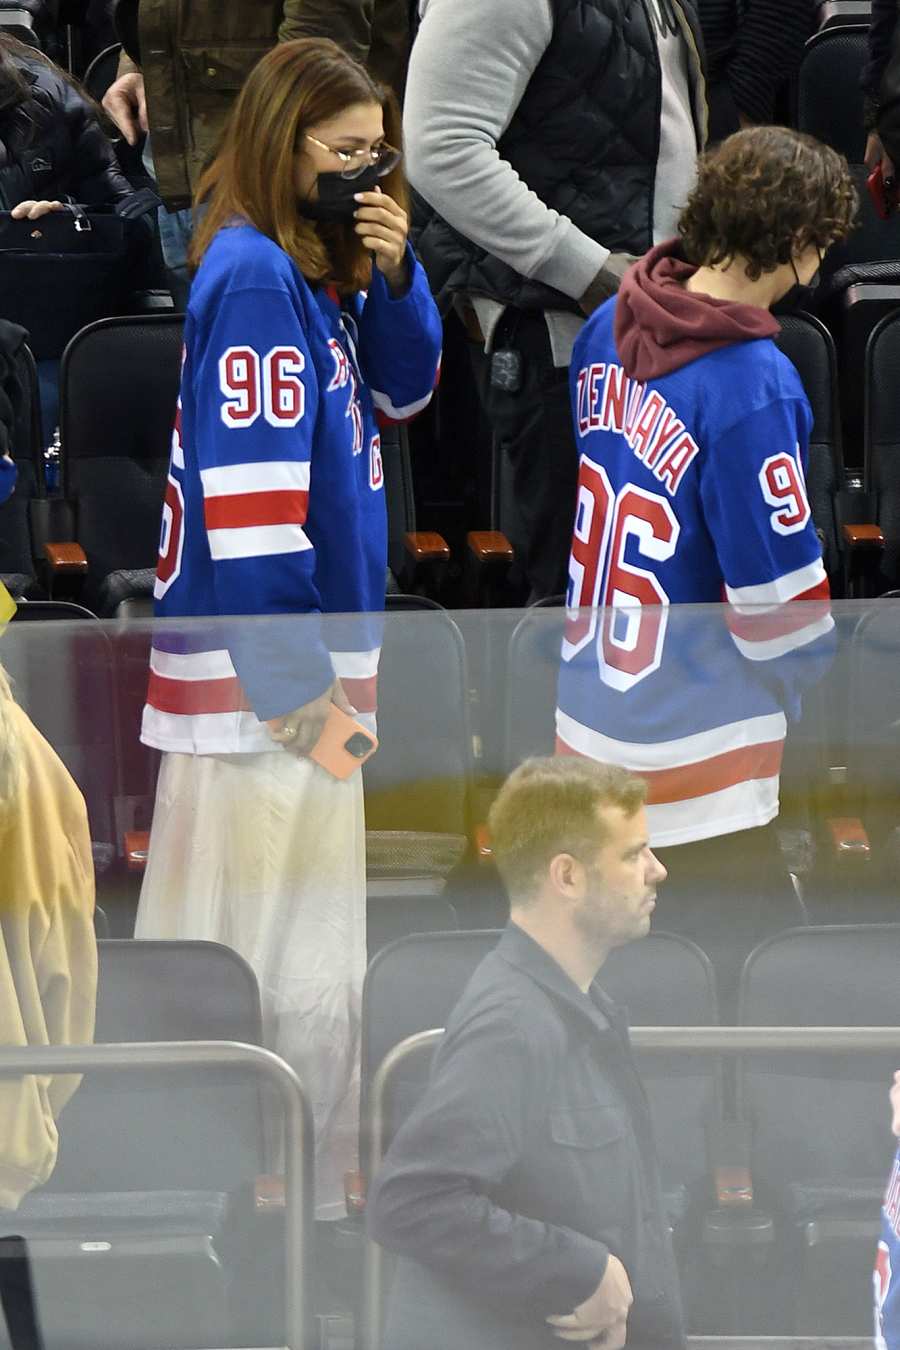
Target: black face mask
[
  {"x": 335, "y": 200},
  {"x": 799, "y": 297}
]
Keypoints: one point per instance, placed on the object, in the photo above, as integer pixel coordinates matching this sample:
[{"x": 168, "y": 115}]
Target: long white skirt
[{"x": 266, "y": 854}]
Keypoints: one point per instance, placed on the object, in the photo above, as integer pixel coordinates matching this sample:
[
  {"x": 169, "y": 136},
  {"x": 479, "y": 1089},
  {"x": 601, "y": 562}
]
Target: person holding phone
[{"x": 308, "y": 315}]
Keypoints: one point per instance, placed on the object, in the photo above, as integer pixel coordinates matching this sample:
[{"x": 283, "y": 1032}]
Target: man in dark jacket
[
  {"x": 523, "y": 1192},
  {"x": 753, "y": 48},
  {"x": 552, "y": 140}
]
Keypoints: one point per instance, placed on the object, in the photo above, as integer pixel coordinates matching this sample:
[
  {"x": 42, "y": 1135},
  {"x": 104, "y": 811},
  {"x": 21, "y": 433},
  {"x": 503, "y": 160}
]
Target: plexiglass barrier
[{"x": 262, "y": 883}]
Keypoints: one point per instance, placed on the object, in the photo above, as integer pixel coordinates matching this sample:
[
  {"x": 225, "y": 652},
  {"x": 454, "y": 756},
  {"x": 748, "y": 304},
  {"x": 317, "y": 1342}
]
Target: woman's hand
[
  {"x": 383, "y": 227},
  {"x": 34, "y": 210},
  {"x": 298, "y": 731},
  {"x": 875, "y": 155}
]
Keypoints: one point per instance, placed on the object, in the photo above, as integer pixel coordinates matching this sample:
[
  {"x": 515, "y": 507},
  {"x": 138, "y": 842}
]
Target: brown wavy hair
[
  {"x": 295, "y": 86},
  {"x": 767, "y": 194}
]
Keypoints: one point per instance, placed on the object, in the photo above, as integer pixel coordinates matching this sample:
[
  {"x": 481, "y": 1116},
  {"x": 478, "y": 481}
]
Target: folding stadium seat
[
  {"x": 663, "y": 980},
  {"x": 829, "y": 97},
  {"x": 139, "y": 1237},
  {"x": 821, "y": 1143},
  {"x": 836, "y": 13},
  {"x": 882, "y": 440},
  {"x": 809, "y": 346},
  {"x": 17, "y": 549},
  {"x": 30, "y": 21},
  {"x": 119, "y": 385},
  {"x": 418, "y": 786},
  {"x": 62, "y": 675}
]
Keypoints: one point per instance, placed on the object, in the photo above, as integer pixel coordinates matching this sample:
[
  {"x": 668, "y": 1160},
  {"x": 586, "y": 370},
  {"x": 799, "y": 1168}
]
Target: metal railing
[
  {"x": 695, "y": 1040},
  {"x": 298, "y": 1131}
]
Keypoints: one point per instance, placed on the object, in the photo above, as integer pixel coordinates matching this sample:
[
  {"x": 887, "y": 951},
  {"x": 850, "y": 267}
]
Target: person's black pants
[
  {"x": 17, "y": 1295},
  {"x": 536, "y": 465}
]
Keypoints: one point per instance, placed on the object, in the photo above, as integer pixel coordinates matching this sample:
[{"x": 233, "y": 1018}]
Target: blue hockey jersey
[
  {"x": 691, "y": 490},
  {"x": 887, "y": 1267},
  {"x": 275, "y": 500}
]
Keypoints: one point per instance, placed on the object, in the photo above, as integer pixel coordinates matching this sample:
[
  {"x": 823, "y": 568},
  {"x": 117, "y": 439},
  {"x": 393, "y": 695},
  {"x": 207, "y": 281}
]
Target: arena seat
[
  {"x": 133, "y": 1239},
  {"x": 881, "y": 463},
  {"x": 119, "y": 386},
  {"x": 17, "y": 544},
  {"x": 829, "y": 96},
  {"x": 821, "y": 1143}
]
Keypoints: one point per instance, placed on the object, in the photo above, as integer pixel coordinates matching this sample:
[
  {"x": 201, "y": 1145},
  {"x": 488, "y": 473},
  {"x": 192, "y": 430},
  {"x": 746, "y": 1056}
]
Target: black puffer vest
[{"x": 585, "y": 138}]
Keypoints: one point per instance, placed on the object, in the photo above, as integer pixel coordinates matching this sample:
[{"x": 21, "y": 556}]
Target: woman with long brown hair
[{"x": 308, "y": 312}]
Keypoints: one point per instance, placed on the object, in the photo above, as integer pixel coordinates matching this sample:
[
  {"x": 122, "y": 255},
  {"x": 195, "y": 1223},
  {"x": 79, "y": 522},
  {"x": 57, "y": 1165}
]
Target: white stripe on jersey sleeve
[
  {"x": 257, "y": 541},
  {"x": 211, "y": 665},
  {"x": 777, "y": 592},
  {"x": 356, "y": 665},
  {"x": 788, "y": 642},
  {"x": 384, "y": 405},
  {"x": 267, "y": 476}
]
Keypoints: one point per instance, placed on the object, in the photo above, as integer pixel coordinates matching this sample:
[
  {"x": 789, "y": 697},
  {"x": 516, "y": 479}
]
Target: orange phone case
[{"x": 343, "y": 746}]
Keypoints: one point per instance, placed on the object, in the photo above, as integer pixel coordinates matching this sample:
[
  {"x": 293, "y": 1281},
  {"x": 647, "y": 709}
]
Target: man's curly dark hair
[{"x": 767, "y": 194}]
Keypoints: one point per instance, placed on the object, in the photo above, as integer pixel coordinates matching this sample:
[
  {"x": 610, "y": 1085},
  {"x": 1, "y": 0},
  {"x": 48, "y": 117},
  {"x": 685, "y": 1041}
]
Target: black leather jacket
[{"x": 51, "y": 144}]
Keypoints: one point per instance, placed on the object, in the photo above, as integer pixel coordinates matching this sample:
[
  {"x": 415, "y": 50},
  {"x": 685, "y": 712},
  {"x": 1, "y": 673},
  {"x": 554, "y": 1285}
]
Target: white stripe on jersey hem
[
  {"x": 205, "y": 733},
  {"x": 745, "y": 806},
  {"x": 384, "y": 404},
  {"x": 274, "y": 475},
  {"x": 256, "y": 541},
  {"x": 671, "y": 754},
  {"x": 356, "y": 665},
  {"x": 211, "y": 665},
  {"x": 788, "y": 642},
  {"x": 779, "y": 591}
]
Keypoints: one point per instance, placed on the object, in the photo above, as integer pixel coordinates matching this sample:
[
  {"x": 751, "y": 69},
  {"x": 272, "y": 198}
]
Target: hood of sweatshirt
[{"x": 660, "y": 327}]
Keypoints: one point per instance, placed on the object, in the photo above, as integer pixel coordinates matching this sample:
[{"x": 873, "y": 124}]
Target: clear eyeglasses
[{"x": 355, "y": 162}]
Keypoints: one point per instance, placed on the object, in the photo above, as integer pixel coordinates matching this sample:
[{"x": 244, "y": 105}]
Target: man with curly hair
[{"x": 693, "y": 430}]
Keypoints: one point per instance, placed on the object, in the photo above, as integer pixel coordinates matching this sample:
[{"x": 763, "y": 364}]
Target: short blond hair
[{"x": 549, "y": 806}]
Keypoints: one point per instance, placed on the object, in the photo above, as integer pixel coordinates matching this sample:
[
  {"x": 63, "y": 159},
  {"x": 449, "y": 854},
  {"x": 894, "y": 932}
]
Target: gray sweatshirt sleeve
[{"x": 471, "y": 63}]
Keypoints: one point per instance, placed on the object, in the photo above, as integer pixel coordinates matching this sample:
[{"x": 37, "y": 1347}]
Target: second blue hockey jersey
[
  {"x": 275, "y": 502},
  {"x": 691, "y": 491}
]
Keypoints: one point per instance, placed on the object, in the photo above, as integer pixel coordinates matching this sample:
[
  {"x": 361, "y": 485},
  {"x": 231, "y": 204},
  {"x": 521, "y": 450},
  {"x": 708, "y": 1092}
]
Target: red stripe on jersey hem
[
  {"x": 715, "y": 774},
  {"x": 363, "y": 694},
  {"x": 196, "y": 697},
  {"x": 243, "y": 510}
]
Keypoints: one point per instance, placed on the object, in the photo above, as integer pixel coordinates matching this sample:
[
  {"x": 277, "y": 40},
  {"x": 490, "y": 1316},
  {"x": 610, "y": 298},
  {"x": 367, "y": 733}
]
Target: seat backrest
[
  {"x": 663, "y": 980},
  {"x": 820, "y": 1117},
  {"x": 102, "y": 70},
  {"x": 829, "y": 100},
  {"x": 118, "y": 391},
  {"x": 16, "y": 554},
  {"x": 873, "y": 740},
  {"x": 882, "y": 436},
  {"x": 398, "y": 490},
  {"x": 62, "y": 675},
  {"x": 419, "y": 782},
  {"x": 809, "y": 347},
  {"x": 166, "y": 1130},
  {"x": 532, "y": 667}
]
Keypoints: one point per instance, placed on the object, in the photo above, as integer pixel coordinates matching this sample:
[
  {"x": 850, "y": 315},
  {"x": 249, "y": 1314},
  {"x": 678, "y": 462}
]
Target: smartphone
[
  {"x": 343, "y": 746},
  {"x": 885, "y": 195}
]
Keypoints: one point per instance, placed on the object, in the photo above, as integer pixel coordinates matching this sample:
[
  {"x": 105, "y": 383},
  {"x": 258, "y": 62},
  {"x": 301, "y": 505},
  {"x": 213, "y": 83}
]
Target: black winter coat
[{"x": 52, "y": 146}]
